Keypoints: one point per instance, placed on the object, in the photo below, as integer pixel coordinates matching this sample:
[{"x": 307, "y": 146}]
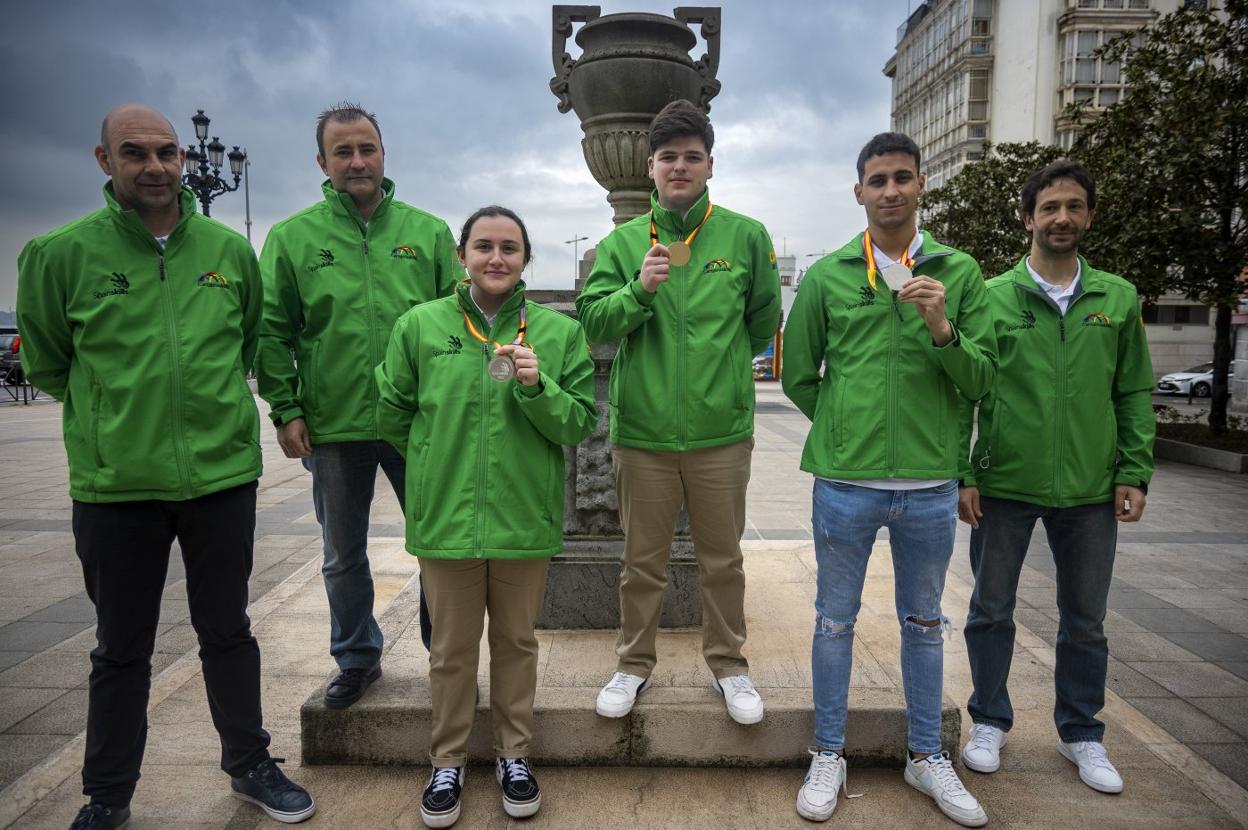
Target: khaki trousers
[
  {"x": 459, "y": 593},
  {"x": 651, "y": 487}
]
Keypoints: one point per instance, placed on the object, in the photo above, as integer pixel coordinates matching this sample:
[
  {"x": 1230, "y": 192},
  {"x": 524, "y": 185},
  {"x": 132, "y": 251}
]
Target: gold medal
[
  {"x": 895, "y": 275},
  {"x": 678, "y": 253},
  {"x": 502, "y": 369}
]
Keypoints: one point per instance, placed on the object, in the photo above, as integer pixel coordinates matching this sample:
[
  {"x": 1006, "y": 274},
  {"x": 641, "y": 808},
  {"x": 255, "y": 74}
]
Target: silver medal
[
  {"x": 895, "y": 275},
  {"x": 501, "y": 369}
]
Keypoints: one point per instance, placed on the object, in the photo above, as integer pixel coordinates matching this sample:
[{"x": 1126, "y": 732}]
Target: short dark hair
[
  {"x": 680, "y": 119},
  {"x": 495, "y": 210},
  {"x": 1046, "y": 176},
  {"x": 885, "y": 143},
  {"x": 344, "y": 112}
]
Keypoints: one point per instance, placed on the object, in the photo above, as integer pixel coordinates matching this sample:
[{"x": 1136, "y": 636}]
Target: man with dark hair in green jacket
[
  {"x": 885, "y": 336},
  {"x": 142, "y": 319},
  {"x": 337, "y": 275},
  {"x": 692, "y": 293},
  {"x": 1066, "y": 437}
]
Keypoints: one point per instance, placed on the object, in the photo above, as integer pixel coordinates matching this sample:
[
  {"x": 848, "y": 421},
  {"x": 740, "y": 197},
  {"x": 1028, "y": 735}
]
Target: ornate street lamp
[{"x": 203, "y": 164}]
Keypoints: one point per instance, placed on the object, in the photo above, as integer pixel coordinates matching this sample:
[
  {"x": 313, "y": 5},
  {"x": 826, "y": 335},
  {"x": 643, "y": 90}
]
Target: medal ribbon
[
  {"x": 654, "y": 231},
  {"x": 519, "y": 341},
  {"x": 868, "y": 250}
]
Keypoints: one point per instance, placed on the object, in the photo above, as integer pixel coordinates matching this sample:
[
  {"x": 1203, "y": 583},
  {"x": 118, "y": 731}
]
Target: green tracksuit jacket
[
  {"x": 149, "y": 351},
  {"x": 863, "y": 368},
  {"x": 1070, "y": 414},
  {"x": 683, "y": 377},
  {"x": 334, "y": 285},
  {"x": 487, "y": 456}
]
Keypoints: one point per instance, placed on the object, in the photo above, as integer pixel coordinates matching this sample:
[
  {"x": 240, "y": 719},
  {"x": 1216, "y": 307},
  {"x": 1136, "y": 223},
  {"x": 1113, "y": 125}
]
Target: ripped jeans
[{"x": 921, "y": 526}]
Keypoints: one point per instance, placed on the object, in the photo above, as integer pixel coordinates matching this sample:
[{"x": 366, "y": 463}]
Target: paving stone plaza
[{"x": 1178, "y": 680}]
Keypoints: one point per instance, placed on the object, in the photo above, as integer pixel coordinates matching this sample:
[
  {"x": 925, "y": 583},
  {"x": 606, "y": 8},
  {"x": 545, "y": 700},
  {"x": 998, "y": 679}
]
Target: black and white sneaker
[
  {"x": 521, "y": 796},
  {"x": 100, "y": 817},
  {"x": 439, "y": 806},
  {"x": 268, "y": 788}
]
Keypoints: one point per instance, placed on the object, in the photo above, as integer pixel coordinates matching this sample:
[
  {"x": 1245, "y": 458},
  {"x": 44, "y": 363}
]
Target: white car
[{"x": 1198, "y": 378}]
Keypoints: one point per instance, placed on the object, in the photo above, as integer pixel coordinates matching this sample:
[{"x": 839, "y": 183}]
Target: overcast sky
[{"x": 461, "y": 91}]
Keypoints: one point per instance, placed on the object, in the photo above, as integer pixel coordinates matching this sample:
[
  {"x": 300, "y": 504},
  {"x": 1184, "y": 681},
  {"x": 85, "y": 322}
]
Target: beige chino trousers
[
  {"x": 651, "y": 487},
  {"x": 459, "y": 593}
]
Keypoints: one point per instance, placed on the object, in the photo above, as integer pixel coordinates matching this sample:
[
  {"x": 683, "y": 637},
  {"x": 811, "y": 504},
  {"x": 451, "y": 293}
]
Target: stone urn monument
[{"x": 631, "y": 66}]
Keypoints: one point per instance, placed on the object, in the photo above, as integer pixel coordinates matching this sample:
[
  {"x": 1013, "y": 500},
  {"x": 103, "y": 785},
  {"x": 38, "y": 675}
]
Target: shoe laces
[
  {"x": 516, "y": 769},
  {"x": 1095, "y": 753},
  {"x": 827, "y": 767},
  {"x": 444, "y": 778},
  {"x": 740, "y": 684},
  {"x": 272, "y": 778},
  {"x": 620, "y": 682},
  {"x": 984, "y": 736},
  {"x": 88, "y": 813},
  {"x": 943, "y": 772},
  {"x": 352, "y": 674}
]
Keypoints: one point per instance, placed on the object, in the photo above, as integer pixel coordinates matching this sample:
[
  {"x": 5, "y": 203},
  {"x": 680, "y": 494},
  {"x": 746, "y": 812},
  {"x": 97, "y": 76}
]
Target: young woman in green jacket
[{"x": 479, "y": 391}]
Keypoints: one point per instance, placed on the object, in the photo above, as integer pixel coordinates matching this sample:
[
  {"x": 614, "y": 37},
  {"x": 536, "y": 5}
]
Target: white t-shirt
[
  {"x": 162, "y": 241},
  {"x": 882, "y": 261},
  {"x": 1060, "y": 294}
]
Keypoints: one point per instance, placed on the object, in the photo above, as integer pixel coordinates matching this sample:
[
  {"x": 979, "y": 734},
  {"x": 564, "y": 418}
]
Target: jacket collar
[
  {"x": 129, "y": 219},
  {"x": 509, "y": 307},
  {"x": 670, "y": 220},
  {"x": 1090, "y": 280},
  {"x": 343, "y": 205},
  {"x": 928, "y": 249}
]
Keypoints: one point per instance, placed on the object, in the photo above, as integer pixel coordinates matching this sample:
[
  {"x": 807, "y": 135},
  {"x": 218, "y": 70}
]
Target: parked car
[
  {"x": 1198, "y": 378},
  {"x": 10, "y": 358}
]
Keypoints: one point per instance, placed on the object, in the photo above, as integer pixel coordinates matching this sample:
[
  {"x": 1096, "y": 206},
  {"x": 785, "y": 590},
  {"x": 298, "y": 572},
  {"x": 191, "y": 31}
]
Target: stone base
[{"x": 583, "y": 587}]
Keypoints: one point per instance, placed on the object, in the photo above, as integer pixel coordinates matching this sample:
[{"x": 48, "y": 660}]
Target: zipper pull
[
  {"x": 162, "y": 267},
  {"x": 1061, "y": 325},
  {"x": 365, "y": 241},
  {"x": 897, "y": 307}
]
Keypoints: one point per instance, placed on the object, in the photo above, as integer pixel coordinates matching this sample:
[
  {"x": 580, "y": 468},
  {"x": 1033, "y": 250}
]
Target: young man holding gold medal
[
  {"x": 480, "y": 391},
  {"x": 692, "y": 293},
  {"x": 885, "y": 337},
  {"x": 1065, "y": 437},
  {"x": 336, "y": 277}
]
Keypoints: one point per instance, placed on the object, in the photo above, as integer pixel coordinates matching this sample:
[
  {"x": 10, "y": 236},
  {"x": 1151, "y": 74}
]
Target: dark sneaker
[
  {"x": 439, "y": 806},
  {"x": 268, "y": 788},
  {"x": 349, "y": 686},
  {"x": 521, "y": 796},
  {"x": 99, "y": 817}
]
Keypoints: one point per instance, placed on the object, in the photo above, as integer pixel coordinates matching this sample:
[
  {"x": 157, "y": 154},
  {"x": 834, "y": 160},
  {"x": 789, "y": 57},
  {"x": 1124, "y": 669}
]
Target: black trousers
[{"x": 124, "y": 549}]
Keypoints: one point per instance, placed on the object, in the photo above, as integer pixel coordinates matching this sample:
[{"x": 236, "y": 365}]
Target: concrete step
[{"x": 680, "y": 721}]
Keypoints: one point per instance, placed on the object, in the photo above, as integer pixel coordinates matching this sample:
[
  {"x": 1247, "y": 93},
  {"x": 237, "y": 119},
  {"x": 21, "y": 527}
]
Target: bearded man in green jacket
[
  {"x": 1066, "y": 437},
  {"x": 142, "y": 319},
  {"x": 337, "y": 275},
  {"x": 692, "y": 293},
  {"x": 884, "y": 337}
]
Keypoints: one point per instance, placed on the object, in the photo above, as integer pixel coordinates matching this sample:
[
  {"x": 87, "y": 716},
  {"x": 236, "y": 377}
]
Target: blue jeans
[
  {"x": 1082, "y": 540},
  {"x": 343, "y": 479},
  {"x": 920, "y": 526}
]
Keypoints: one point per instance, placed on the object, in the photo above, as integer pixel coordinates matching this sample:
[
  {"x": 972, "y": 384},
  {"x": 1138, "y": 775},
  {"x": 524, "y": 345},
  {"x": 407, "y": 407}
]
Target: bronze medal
[
  {"x": 501, "y": 369},
  {"x": 678, "y": 253},
  {"x": 895, "y": 275}
]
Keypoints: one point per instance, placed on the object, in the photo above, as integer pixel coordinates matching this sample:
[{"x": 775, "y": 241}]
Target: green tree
[
  {"x": 977, "y": 210},
  {"x": 1171, "y": 165}
]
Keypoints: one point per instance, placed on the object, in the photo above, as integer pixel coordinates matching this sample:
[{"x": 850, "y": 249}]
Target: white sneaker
[
  {"x": 617, "y": 697},
  {"x": 934, "y": 775},
  {"x": 745, "y": 704},
  {"x": 982, "y": 752},
  {"x": 1094, "y": 767},
  {"x": 817, "y": 798}
]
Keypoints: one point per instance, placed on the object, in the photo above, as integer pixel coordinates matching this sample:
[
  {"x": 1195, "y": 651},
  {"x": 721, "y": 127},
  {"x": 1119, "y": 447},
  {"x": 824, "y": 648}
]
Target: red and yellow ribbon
[
  {"x": 868, "y": 250},
  {"x": 520, "y": 332},
  {"x": 654, "y": 231}
]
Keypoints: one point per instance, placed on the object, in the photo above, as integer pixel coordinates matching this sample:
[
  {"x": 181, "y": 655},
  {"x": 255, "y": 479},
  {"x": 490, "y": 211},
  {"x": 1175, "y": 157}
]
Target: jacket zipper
[
  {"x": 373, "y": 359},
  {"x": 681, "y": 431},
  {"x": 890, "y": 396},
  {"x": 179, "y": 426}
]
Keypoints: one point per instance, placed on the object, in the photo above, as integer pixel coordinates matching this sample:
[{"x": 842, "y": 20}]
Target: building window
[
  {"x": 1113, "y": 4},
  {"x": 1175, "y": 315},
  {"x": 978, "y": 131},
  {"x": 1082, "y": 73},
  {"x": 1138, "y": 4}
]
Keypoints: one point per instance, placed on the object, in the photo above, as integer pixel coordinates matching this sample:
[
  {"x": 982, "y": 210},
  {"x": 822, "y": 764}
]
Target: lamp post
[
  {"x": 203, "y": 165},
  {"x": 574, "y": 242}
]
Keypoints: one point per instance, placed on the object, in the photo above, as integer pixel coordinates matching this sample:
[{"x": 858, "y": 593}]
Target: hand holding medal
[
  {"x": 520, "y": 359},
  {"x": 659, "y": 259},
  {"x": 654, "y": 268}
]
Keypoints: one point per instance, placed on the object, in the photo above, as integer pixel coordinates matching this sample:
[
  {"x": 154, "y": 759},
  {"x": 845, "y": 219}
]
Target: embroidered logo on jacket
[
  {"x": 456, "y": 346},
  {"x": 403, "y": 252},
  {"x": 1028, "y": 321},
  {"x": 716, "y": 265},
  {"x": 120, "y": 284},
  {"x": 211, "y": 279},
  {"x": 868, "y": 298},
  {"x": 327, "y": 259},
  {"x": 1098, "y": 319}
]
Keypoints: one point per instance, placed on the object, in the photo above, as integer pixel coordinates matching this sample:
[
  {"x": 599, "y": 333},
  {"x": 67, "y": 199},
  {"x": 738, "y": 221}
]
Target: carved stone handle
[
  {"x": 562, "y": 18},
  {"x": 708, "y": 64}
]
